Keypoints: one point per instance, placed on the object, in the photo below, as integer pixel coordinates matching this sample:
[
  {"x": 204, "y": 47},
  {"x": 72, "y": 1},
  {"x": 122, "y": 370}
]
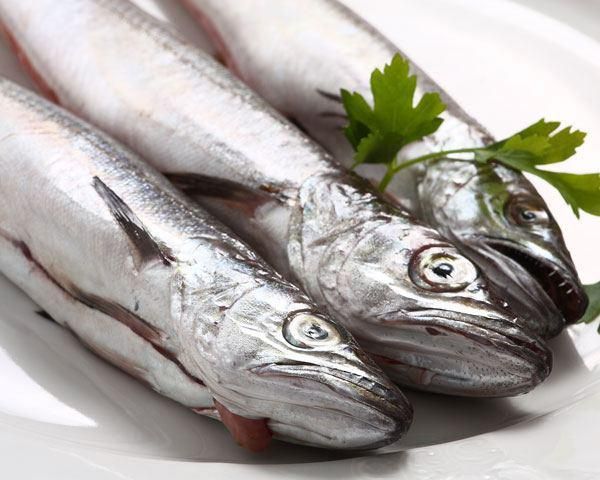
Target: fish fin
[
  {"x": 240, "y": 195},
  {"x": 297, "y": 123},
  {"x": 253, "y": 434},
  {"x": 44, "y": 314},
  {"x": 147, "y": 247},
  {"x": 337, "y": 115},
  {"x": 334, "y": 97}
]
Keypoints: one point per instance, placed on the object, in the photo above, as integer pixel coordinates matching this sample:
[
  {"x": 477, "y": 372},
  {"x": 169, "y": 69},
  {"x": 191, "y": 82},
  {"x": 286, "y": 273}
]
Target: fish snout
[
  {"x": 392, "y": 412},
  {"x": 347, "y": 409},
  {"x": 555, "y": 274},
  {"x": 464, "y": 355}
]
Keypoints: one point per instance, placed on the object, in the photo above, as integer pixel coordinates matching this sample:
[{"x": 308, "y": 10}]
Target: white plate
[{"x": 66, "y": 414}]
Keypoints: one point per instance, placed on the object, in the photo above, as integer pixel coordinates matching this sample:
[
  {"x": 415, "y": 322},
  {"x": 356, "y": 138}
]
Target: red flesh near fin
[
  {"x": 223, "y": 55},
  {"x": 35, "y": 76},
  {"x": 248, "y": 433}
]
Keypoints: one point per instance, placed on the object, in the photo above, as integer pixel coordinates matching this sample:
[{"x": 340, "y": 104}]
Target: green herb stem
[
  {"x": 393, "y": 167},
  {"x": 395, "y": 119},
  {"x": 387, "y": 178},
  {"x": 433, "y": 156},
  {"x": 379, "y": 130}
]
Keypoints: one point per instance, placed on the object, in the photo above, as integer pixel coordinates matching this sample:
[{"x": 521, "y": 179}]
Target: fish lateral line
[
  {"x": 138, "y": 325},
  {"x": 117, "y": 312},
  {"x": 142, "y": 328}
]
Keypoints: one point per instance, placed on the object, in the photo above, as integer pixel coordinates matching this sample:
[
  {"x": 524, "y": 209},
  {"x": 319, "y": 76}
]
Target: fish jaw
[
  {"x": 380, "y": 416},
  {"x": 342, "y": 401},
  {"x": 558, "y": 279},
  {"x": 483, "y": 357},
  {"x": 535, "y": 310}
]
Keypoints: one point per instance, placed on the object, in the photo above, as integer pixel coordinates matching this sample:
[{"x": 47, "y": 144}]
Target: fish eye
[
  {"x": 442, "y": 269},
  {"x": 311, "y": 331},
  {"x": 526, "y": 212}
]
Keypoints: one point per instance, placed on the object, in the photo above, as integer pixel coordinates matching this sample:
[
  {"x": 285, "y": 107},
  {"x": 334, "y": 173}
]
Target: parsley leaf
[
  {"x": 537, "y": 145},
  {"x": 593, "y": 310},
  {"x": 541, "y": 143},
  {"x": 359, "y": 115},
  {"x": 378, "y": 133}
]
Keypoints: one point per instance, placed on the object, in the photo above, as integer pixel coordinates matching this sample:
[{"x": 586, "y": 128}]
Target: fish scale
[
  {"x": 298, "y": 55},
  {"x": 155, "y": 285},
  {"x": 368, "y": 263}
]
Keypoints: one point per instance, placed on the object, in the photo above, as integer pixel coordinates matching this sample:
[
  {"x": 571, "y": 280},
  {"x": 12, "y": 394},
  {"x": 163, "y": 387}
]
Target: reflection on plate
[{"x": 65, "y": 413}]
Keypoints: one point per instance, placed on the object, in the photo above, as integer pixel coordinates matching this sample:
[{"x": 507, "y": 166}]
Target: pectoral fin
[
  {"x": 239, "y": 195},
  {"x": 45, "y": 315},
  {"x": 147, "y": 247},
  {"x": 334, "y": 97},
  {"x": 253, "y": 434}
]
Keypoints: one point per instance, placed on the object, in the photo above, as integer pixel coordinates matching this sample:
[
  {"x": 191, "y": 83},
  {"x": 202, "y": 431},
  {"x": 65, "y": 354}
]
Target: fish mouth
[
  {"x": 381, "y": 416},
  {"x": 446, "y": 352},
  {"x": 560, "y": 284}
]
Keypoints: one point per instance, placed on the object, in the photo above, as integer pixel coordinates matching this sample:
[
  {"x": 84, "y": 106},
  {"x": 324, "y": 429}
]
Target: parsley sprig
[{"x": 378, "y": 133}]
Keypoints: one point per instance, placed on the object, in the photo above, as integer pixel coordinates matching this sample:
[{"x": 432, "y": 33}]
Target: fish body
[
  {"x": 418, "y": 305},
  {"x": 152, "y": 283},
  {"x": 298, "y": 55}
]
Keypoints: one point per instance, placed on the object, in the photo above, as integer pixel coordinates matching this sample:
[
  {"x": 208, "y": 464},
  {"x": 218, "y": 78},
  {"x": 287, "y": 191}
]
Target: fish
[
  {"x": 412, "y": 300},
  {"x": 298, "y": 55},
  {"x": 147, "y": 280}
]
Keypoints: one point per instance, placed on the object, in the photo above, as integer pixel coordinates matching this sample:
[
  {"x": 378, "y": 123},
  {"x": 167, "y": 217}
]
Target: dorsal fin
[
  {"x": 146, "y": 246},
  {"x": 334, "y": 97},
  {"x": 44, "y": 314}
]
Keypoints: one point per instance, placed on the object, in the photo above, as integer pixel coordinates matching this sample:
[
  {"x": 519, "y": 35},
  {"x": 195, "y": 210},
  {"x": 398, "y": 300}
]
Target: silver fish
[
  {"x": 410, "y": 298},
  {"x": 299, "y": 54},
  {"x": 155, "y": 285}
]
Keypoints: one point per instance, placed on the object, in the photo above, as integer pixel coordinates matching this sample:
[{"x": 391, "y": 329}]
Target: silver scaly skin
[
  {"x": 158, "y": 287},
  {"x": 298, "y": 55},
  {"x": 420, "y": 307}
]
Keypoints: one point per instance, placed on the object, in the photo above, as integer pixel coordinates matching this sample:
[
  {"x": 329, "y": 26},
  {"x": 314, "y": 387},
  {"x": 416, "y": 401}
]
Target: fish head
[
  {"x": 274, "y": 357},
  {"x": 323, "y": 389},
  {"x": 427, "y": 313},
  {"x": 501, "y": 219}
]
